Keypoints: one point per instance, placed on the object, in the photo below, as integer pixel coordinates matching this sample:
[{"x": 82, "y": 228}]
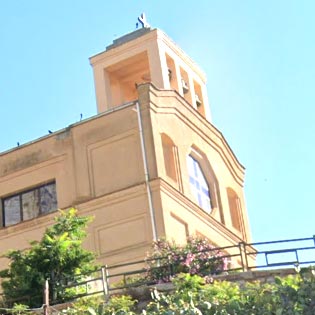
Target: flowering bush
[{"x": 197, "y": 257}]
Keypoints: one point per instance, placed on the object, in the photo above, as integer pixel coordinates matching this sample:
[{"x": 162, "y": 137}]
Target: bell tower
[{"x": 146, "y": 55}]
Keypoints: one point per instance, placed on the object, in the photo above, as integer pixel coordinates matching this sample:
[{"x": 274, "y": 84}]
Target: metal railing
[
  {"x": 246, "y": 256},
  {"x": 283, "y": 253},
  {"x": 241, "y": 257}
]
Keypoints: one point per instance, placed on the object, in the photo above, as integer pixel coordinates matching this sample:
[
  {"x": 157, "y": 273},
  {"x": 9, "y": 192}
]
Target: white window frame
[{"x": 198, "y": 184}]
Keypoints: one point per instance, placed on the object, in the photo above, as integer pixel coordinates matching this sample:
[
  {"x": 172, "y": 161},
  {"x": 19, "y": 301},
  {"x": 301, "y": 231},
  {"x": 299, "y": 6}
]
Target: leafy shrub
[
  {"x": 20, "y": 309},
  {"x": 95, "y": 305},
  {"x": 57, "y": 256},
  {"x": 91, "y": 305},
  {"x": 197, "y": 257},
  {"x": 120, "y": 305},
  {"x": 293, "y": 295}
]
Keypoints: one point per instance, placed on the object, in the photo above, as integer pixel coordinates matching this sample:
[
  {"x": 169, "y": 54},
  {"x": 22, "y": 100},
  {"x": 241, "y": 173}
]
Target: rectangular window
[{"x": 29, "y": 204}]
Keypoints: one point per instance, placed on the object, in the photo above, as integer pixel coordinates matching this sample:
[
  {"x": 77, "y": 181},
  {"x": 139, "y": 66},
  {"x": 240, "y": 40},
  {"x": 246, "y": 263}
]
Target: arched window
[
  {"x": 198, "y": 184},
  {"x": 169, "y": 156},
  {"x": 235, "y": 209}
]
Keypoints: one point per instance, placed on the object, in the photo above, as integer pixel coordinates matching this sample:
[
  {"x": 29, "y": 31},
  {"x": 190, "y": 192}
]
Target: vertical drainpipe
[{"x": 146, "y": 173}]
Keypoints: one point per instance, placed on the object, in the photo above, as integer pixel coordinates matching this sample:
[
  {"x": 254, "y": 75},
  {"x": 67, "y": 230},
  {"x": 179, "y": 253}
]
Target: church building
[{"x": 149, "y": 165}]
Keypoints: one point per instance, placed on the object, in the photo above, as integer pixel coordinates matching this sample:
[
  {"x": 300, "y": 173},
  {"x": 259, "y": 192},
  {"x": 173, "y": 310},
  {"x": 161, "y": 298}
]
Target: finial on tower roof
[{"x": 143, "y": 21}]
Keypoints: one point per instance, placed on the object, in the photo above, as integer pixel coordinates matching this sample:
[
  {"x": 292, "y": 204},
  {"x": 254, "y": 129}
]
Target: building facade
[{"x": 150, "y": 164}]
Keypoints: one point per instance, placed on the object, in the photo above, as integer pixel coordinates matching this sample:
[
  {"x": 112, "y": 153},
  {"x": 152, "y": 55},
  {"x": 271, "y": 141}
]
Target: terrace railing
[{"x": 248, "y": 256}]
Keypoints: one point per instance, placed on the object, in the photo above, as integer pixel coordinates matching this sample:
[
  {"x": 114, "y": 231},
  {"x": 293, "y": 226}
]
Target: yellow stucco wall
[{"x": 98, "y": 167}]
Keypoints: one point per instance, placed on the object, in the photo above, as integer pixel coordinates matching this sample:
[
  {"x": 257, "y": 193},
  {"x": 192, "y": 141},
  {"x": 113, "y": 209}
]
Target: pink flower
[
  {"x": 225, "y": 263},
  {"x": 189, "y": 259}
]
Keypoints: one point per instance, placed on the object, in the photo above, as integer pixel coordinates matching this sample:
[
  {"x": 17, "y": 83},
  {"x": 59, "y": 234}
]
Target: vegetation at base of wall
[
  {"x": 117, "y": 305},
  {"x": 58, "y": 256},
  {"x": 293, "y": 295},
  {"x": 197, "y": 257}
]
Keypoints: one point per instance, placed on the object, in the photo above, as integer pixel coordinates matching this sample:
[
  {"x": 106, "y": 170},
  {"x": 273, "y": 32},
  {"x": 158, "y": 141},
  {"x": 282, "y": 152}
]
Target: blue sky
[{"x": 260, "y": 65}]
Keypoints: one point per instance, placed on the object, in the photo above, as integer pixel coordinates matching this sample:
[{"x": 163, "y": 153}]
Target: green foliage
[
  {"x": 185, "y": 282},
  {"x": 172, "y": 304},
  {"x": 20, "y": 309},
  {"x": 197, "y": 257},
  {"x": 117, "y": 305},
  {"x": 293, "y": 295},
  {"x": 59, "y": 256},
  {"x": 86, "y": 306}
]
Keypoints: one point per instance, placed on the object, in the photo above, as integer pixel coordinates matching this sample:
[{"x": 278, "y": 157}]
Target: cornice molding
[{"x": 207, "y": 131}]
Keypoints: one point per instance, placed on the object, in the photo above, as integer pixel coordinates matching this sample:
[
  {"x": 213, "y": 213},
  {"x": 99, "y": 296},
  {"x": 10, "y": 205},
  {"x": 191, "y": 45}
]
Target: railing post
[
  {"x": 105, "y": 282},
  {"x": 170, "y": 268},
  {"x": 297, "y": 257},
  {"x": 53, "y": 289},
  {"x": 46, "y": 297},
  {"x": 243, "y": 254}
]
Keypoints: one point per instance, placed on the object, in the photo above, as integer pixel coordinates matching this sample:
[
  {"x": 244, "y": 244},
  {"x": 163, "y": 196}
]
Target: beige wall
[
  {"x": 189, "y": 131},
  {"x": 98, "y": 167},
  {"x": 146, "y": 56}
]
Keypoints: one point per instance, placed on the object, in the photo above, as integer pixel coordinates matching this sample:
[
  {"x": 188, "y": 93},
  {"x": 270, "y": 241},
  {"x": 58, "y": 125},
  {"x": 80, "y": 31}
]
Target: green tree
[{"x": 59, "y": 256}]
